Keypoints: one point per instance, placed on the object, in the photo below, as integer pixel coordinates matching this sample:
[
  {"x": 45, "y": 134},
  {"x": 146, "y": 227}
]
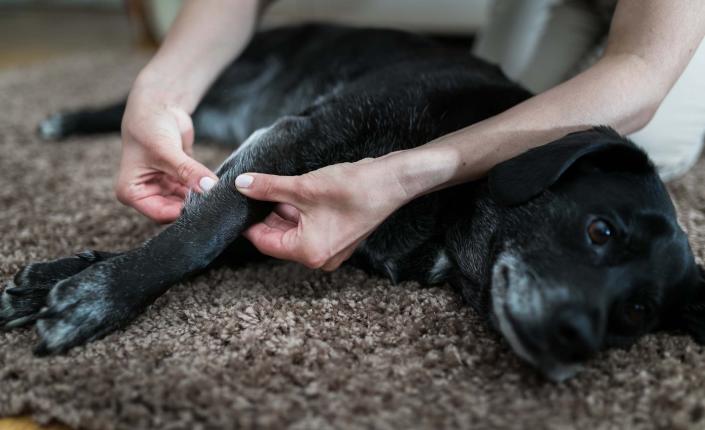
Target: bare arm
[
  {"x": 650, "y": 44},
  {"x": 206, "y": 36},
  {"x": 156, "y": 169}
]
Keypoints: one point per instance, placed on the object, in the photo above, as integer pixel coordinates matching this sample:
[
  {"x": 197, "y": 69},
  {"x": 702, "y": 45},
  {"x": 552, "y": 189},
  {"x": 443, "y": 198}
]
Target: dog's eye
[
  {"x": 636, "y": 314},
  {"x": 633, "y": 316},
  {"x": 600, "y": 232}
]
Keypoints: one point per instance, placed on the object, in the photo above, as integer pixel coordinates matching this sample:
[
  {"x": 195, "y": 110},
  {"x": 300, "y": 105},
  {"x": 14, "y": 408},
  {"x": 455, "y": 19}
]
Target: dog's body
[{"x": 328, "y": 95}]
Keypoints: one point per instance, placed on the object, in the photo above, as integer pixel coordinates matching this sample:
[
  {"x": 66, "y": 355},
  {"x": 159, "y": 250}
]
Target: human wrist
[
  {"x": 423, "y": 169},
  {"x": 157, "y": 86}
]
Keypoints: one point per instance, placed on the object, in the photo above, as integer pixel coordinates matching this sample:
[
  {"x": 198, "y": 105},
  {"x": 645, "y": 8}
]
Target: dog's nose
[{"x": 575, "y": 334}]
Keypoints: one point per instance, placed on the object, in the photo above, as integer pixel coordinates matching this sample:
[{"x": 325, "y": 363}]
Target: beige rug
[{"x": 275, "y": 345}]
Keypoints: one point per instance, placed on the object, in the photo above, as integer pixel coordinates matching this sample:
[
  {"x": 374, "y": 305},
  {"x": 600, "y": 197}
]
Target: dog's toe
[
  {"x": 57, "y": 334},
  {"x": 72, "y": 327},
  {"x": 75, "y": 312},
  {"x": 59, "y": 330}
]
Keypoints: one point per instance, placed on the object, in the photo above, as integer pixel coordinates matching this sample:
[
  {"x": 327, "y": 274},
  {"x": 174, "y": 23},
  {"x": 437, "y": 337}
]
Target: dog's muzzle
[{"x": 542, "y": 322}]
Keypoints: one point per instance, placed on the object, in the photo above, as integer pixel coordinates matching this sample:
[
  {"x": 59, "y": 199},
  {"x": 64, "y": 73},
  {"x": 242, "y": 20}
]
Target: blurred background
[{"x": 32, "y": 31}]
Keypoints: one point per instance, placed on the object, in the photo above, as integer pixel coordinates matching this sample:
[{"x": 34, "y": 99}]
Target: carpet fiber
[{"x": 275, "y": 345}]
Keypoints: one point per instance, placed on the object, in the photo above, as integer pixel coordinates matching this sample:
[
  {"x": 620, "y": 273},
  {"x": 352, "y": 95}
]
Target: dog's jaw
[{"x": 514, "y": 297}]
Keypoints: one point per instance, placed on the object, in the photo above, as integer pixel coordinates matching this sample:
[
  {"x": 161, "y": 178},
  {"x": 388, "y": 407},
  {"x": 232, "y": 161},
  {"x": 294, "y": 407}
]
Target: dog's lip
[
  {"x": 526, "y": 341},
  {"x": 516, "y": 327}
]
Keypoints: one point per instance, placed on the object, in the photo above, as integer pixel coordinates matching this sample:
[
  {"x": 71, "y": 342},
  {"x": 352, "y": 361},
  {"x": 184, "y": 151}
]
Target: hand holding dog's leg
[
  {"x": 156, "y": 170},
  {"x": 324, "y": 215}
]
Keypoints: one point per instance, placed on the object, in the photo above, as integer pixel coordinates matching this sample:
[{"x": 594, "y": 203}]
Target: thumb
[
  {"x": 185, "y": 125},
  {"x": 271, "y": 188},
  {"x": 190, "y": 172}
]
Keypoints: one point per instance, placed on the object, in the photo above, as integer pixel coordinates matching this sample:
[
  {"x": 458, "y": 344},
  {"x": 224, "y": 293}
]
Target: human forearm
[
  {"x": 607, "y": 94},
  {"x": 650, "y": 44},
  {"x": 205, "y": 37}
]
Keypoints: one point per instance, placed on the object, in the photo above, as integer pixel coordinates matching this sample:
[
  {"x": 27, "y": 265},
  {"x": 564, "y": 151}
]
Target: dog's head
[{"x": 589, "y": 252}]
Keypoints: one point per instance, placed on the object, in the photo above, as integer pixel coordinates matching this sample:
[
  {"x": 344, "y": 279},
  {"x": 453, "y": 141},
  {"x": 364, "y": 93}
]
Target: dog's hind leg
[
  {"x": 227, "y": 112},
  {"x": 82, "y": 122},
  {"x": 26, "y": 294}
]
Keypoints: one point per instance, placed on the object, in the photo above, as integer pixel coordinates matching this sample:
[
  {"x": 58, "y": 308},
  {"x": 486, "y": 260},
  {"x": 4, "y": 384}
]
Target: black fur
[{"x": 516, "y": 246}]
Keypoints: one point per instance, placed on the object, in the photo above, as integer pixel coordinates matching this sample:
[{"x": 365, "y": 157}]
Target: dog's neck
[{"x": 473, "y": 244}]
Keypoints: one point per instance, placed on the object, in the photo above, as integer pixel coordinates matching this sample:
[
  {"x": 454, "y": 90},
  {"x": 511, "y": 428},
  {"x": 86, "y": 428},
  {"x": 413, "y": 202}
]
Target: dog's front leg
[{"x": 111, "y": 293}]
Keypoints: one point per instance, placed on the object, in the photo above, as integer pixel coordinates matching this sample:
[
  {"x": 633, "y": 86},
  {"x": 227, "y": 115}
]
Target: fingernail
[
  {"x": 206, "y": 183},
  {"x": 244, "y": 181}
]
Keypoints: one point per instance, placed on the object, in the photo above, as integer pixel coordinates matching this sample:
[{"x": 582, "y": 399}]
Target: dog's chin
[{"x": 515, "y": 300}]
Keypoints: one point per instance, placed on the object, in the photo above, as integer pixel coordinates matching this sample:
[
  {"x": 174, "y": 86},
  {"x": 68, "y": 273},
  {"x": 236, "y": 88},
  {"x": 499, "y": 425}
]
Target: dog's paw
[
  {"x": 26, "y": 294},
  {"x": 55, "y": 127},
  {"x": 84, "y": 308}
]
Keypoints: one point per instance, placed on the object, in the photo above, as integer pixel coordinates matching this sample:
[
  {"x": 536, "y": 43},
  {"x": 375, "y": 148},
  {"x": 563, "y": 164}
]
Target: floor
[
  {"x": 30, "y": 35},
  {"x": 26, "y": 424},
  {"x": 318, "y": 350},
  {"x": 274, "y": 345}
]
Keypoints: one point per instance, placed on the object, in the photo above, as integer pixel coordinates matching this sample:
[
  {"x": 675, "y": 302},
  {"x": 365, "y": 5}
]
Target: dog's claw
[
  {"x": 16, "y": 306},
  {"x": 89, "y": 255},
  {"x": 18, "y": 292},
  {"x": 19, "y": 322}
]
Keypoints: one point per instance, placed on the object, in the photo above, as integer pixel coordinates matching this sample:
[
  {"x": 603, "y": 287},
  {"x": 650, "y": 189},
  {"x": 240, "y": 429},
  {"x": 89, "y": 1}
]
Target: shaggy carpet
[{"x": 274, "y": 345}]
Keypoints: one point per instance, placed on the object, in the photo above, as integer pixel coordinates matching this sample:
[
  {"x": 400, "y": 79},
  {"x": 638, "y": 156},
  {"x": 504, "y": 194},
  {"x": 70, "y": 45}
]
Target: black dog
[{"x": 569, "y": 248}]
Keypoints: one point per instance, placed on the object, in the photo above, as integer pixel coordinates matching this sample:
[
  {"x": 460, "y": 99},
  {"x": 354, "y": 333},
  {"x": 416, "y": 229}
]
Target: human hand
[
  {"x": 324, "y": 215},
  {"x": 156, "y": 169}
]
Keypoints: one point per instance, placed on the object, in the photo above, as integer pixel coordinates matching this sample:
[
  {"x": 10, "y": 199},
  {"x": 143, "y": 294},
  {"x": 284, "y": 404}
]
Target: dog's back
[{"x": 291, "y": 70}]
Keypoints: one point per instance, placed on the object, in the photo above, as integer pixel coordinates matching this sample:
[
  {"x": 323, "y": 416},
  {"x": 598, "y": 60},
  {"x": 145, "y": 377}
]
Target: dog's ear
[
  {"x": 693, "y": 314},
  {"x": 525, "y": 176}
]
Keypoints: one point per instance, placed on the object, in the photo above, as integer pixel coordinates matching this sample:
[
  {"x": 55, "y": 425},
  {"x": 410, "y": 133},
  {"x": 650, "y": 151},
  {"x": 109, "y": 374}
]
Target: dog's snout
[{"x": 575, "y": 334}]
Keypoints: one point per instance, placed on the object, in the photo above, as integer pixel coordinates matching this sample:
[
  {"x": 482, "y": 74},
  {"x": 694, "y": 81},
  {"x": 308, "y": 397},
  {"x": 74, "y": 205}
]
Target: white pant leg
[
  {"x": 513, "y": 31},
  {"x": 538, "y": 42},
  {"x": 570, "y": 33},
  {"x": 674, "y": 136}
]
